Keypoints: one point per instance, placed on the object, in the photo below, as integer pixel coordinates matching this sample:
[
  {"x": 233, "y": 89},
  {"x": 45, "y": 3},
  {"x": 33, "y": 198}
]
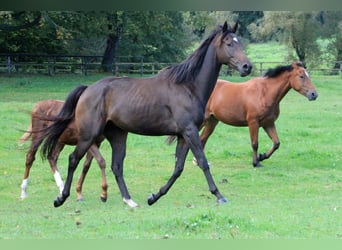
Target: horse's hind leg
[
  {"x": 53, "y": 164},
  {"x": 30, "y": 158},
  {"x": 272, "y": 133},
  {"x": 94, "y": 149},
  {"x": 117, "y": 139},
  {"x": 93, "y": 152},
  {"x": 74, "y": 159},
  {"x": 84, "y": 172},
  {"x": 209, "y": 127}
]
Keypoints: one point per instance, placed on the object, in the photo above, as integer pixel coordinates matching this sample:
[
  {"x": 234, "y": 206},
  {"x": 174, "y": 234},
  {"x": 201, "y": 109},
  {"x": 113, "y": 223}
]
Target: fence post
[
  {"x": 9, "y": 65},
  {"x": 84, "y": 61},
  {"x": 141, "y": 65},
  {"x": 261, "y": 69},
  {"x": 49, "y": 67}
]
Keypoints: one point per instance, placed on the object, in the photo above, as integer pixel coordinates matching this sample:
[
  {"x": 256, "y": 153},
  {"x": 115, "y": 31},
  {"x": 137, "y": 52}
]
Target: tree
[
  {"x": 162, "y": 36},
  {"x": 332, "y": 31},
  {"x": 299, "y": 30},
  {"x": 22, "y": 32},
  {"x": 245, "y": 19},
  {"x": 116, "y": 25}
]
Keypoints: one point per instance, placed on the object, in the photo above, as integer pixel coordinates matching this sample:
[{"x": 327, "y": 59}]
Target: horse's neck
[
  {"x": 277, "y": 88},
  {"x": 207, "y": 77}
]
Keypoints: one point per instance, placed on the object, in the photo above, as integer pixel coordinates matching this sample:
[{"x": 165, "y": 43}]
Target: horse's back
[
  {"x": 145, "y": 106},
  {"x": 47, "y": 107}
]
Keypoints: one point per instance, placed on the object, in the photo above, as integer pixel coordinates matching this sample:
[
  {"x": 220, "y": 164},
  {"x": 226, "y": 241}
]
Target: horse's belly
[{"x": 231, "y": 118}]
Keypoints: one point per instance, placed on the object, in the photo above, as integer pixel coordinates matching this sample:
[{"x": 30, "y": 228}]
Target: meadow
[{"x": 296, "y": 195}]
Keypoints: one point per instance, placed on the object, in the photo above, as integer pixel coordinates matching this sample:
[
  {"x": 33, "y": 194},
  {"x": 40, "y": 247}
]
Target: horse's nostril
[
  {"x": 313, "y": 95},
  {"x": 247, "y": 67}
]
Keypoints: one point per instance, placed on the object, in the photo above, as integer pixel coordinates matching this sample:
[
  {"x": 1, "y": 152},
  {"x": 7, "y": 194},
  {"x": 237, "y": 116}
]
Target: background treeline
[{"x": 166, "y": 36}]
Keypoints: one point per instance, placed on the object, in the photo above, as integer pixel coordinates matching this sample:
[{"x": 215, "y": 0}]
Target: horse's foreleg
[
  {"x": 271, "y": 131},
  {"x": 181, "y": 152},
  {"x": 117, "y": 139},
  {"x": 254, "y": 135},
  {"x": 209, "y": 127},
  {"x": 102, "y": 164},
  {"x": 194, "y": 142}
]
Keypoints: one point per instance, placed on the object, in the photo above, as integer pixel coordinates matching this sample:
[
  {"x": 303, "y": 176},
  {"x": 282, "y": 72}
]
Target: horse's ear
[
  {"x": 225, "y": 27},
  {"x": 235, "y": 27}
]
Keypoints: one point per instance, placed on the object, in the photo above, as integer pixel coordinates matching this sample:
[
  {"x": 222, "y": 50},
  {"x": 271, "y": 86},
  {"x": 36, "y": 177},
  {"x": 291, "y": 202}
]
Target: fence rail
[{"x": 86, "y": 64}]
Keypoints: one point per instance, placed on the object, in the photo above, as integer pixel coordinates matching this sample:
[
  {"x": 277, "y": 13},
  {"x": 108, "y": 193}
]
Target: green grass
[
  {"x": 267, "y": 52},
  {"x": 297, "y": 195}
]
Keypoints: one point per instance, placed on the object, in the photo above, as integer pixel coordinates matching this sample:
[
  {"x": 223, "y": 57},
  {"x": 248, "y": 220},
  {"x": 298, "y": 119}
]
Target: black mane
[
  {"x": 271, "y": 73},
  {"x": 188, "y": 70}
]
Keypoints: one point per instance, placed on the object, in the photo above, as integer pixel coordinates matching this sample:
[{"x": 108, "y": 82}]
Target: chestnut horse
[
  {"x": 169, "y": 103},
  {"x": 255, "y": 104},
  {"x": 69, "y": 137}
]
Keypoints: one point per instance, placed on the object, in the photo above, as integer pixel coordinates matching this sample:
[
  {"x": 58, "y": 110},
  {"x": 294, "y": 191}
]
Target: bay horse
[
  {"x": 34, "y": 132},
  {"x": 169, "y": 103},
  {"x": 255, "y": 104}
]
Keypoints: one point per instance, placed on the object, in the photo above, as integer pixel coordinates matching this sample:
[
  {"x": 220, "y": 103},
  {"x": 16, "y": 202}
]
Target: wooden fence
[
  {"x": 85, "y": 64},
  {"x": 75, "y": 64}
]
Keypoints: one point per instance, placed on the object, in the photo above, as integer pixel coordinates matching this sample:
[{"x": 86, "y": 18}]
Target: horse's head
[
  {"x": 300, "y": 81},
  {"x": 230, "y": 51}
]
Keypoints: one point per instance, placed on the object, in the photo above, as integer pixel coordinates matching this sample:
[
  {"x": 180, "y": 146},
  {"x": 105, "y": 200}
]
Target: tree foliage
[
  {"x": 299, "y": 30},
  {"x": 165, "y": 36}
]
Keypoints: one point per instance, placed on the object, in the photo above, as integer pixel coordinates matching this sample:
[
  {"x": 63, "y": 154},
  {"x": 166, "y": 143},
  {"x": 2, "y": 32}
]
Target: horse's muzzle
[
  {"x": 245, "y": 69},
  {"x": 312, "y": 95}
]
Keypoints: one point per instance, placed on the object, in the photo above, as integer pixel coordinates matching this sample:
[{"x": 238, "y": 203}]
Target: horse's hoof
[
  {"x": 222, "y": 200},
  {"x": 130, "y": 203},
  {"x": 262, "y": 156},
  {"x": 58, "y": 202},
  {"x": 257, "y": 164},
  {"x": 80, "y": 199},
  {"x": 103, "y": 199},
  {"x": 151, "y": 199}
]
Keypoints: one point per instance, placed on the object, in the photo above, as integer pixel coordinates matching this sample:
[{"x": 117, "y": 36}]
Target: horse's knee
[
  {"x": 203, "y": 164},
  {"x": 178, "y": 171},
  {"x": 72, "y": 160},
  {"x": 117, "y": 170},
  {"x": 102, "y": 163},
  {"x": 30, "y": 158}
]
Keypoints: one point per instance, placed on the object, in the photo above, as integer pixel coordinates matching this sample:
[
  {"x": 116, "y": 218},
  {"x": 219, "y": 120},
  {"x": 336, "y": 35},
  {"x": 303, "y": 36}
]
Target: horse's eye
[
  {"x": 301, "y": 76},
  {"x": 230, "y": 44}
]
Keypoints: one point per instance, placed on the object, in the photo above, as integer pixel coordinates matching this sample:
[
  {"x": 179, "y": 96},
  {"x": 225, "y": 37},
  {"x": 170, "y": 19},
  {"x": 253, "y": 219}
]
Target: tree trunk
[{"x": 107, "y": 63}]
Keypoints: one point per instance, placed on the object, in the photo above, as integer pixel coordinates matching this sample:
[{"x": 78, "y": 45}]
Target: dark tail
[{"x": 65, "y": 116}]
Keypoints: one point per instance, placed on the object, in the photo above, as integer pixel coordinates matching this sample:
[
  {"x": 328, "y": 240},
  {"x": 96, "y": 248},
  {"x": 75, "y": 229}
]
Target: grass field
[{"x": 296, "y": 195}]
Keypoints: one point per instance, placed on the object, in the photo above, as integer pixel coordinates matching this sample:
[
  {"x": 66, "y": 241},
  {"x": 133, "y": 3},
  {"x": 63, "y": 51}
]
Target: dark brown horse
[
  {"x": 255, "y": 104},
  {"x": 68, "y": 137},
  {"x": 170, "y": 103}
]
